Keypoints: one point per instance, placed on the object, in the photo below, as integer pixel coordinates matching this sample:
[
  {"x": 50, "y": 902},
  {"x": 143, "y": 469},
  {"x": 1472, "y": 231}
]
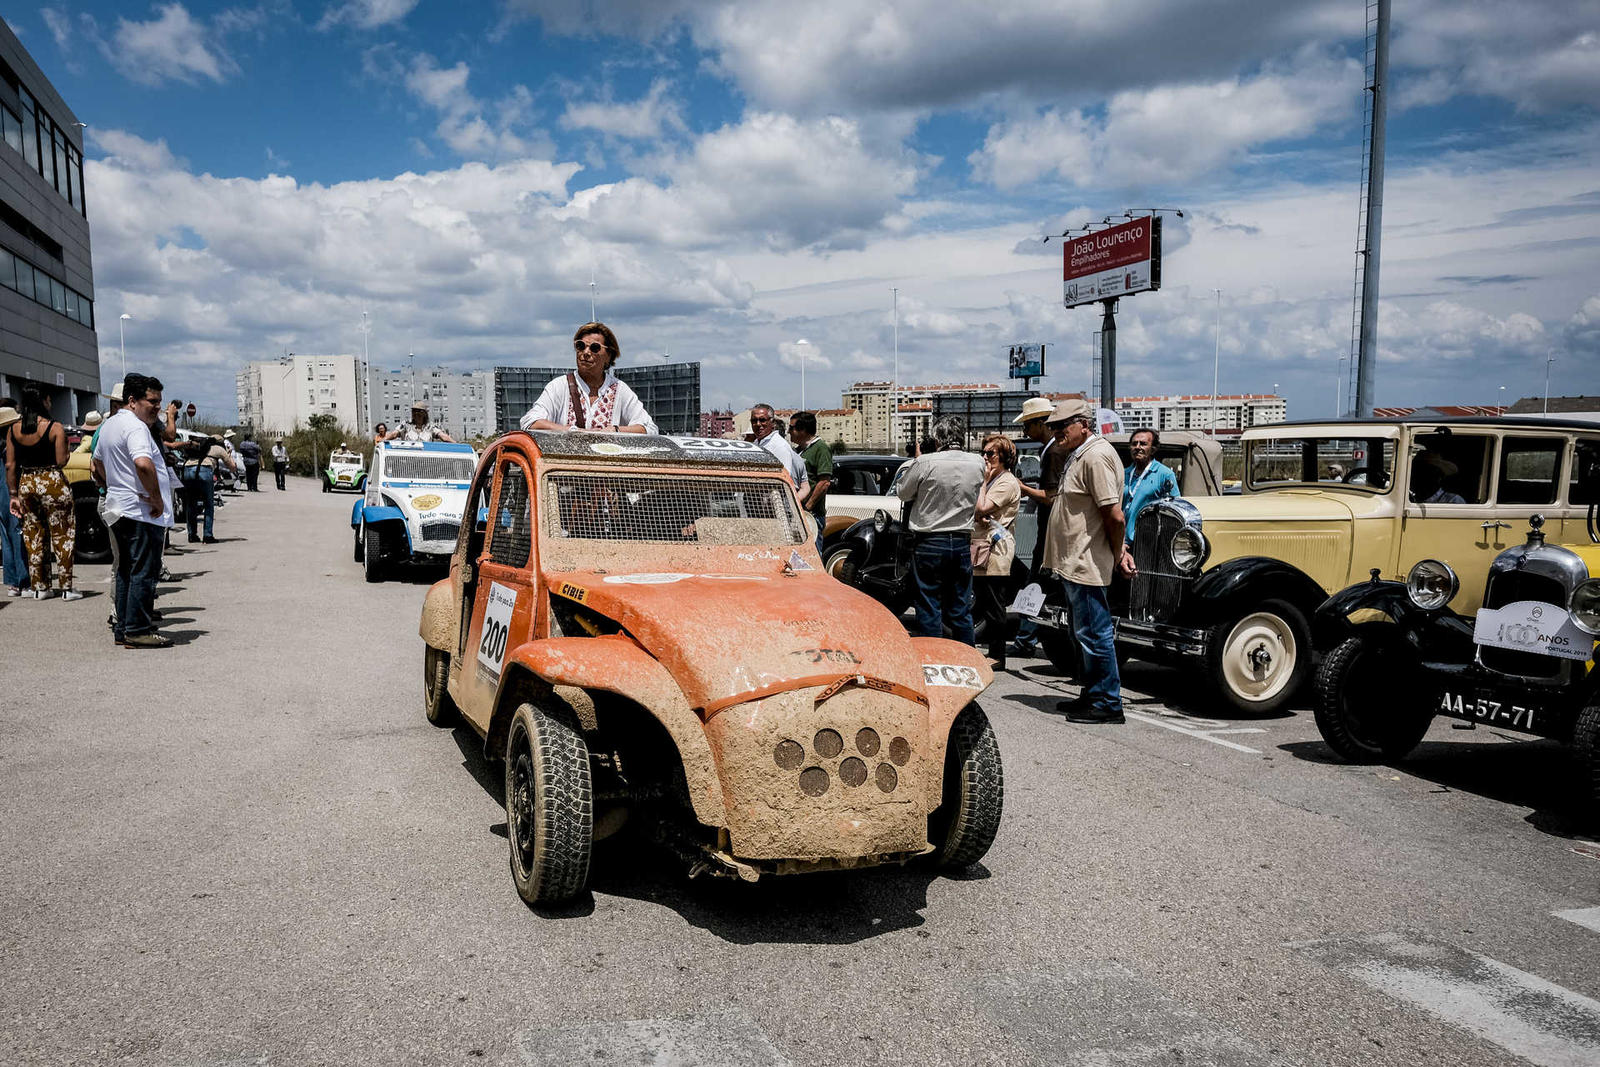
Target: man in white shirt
[
  {"x": 764, "y": 424},
  {"x": 592, "y": 397},
  {"x": 127, "y": 460}
]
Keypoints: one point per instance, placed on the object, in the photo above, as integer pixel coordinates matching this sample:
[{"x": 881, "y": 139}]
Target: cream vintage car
[{"x": 1230, "y": 583}]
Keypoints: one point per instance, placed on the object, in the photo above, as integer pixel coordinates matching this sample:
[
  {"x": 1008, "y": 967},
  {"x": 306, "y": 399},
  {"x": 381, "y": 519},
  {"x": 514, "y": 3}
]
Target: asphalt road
[{"x": 252, "y": 849}]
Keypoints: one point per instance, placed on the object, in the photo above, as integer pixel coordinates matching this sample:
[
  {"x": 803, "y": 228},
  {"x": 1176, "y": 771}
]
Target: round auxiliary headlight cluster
[
  {"x": 1189, "y": 549},
  {"x": 880, "y": 520},
  {"x": 1431, "y": 584},
  {"x": 1585, "y": 605}
]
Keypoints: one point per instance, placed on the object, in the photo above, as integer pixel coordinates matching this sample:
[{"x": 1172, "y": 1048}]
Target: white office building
[
  {"x": 278, "y": 395},
  {"x": 1229, "y": 414},
  {"x": 463, "y": 404}
]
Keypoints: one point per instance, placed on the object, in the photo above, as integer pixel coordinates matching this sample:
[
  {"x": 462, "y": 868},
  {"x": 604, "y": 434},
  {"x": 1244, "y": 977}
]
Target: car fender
[
  {"x": 616, "y": 665},
  {"x": 1249, "y": 579},
  {"x": 438, "y": 626},
  {"x": 1438, "y": 634},
  {"x": 372, "y": 516},
  {"x": 948, "y": 669},
  {"x": 860, "y": 538}
]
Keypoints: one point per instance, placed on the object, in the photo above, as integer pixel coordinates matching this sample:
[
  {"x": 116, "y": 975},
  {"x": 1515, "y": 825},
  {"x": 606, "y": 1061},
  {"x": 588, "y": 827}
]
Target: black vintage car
[{"x": 1525, "y": 662}]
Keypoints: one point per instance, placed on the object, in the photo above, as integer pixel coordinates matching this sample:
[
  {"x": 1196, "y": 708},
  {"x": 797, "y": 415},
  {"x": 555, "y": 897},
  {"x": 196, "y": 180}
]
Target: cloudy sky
[{"x": 736, "y": 175}]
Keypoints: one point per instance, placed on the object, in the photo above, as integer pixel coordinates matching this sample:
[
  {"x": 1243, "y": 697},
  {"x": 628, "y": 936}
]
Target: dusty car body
[
  {"x": 639, "y": 628},
  {"x": 1522, "y": 661},
  {"x": 1230, "y": 583}
]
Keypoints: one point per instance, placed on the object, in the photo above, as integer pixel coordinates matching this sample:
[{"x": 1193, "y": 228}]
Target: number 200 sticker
[
  {"x": 951, "y": 674},
  {"x": 496, "y": 628}
]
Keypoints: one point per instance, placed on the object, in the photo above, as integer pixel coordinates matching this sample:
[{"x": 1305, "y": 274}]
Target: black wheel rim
[{"x": 520, "y": 801}]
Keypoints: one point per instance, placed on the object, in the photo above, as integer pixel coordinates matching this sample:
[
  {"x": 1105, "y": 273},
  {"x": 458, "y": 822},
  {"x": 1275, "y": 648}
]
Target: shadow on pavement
[
  {"x": 832, "y": 908},
  {"x": 1527, "y": 773}
]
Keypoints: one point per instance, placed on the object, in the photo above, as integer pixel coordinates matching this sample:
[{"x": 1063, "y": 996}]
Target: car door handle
[{"x": 1495, "y": 526}]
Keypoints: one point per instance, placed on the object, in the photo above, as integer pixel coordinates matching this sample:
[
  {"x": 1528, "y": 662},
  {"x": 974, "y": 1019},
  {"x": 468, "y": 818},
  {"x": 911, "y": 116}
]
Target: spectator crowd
[{"x": 147, "y": 461}]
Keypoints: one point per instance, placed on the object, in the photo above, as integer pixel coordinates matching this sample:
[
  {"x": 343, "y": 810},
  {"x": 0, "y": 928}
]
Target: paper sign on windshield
[{"x": 1533, "y": 626}]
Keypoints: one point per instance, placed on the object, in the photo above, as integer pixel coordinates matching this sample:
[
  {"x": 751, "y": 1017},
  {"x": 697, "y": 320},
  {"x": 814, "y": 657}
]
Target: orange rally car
[{"x": 639, "y": 627}]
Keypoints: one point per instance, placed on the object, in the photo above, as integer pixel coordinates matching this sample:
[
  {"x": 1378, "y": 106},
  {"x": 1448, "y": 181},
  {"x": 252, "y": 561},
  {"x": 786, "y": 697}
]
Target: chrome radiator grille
[
  {"x": 1508, "y": 587},
  {"x": 1156, "y": 592}
]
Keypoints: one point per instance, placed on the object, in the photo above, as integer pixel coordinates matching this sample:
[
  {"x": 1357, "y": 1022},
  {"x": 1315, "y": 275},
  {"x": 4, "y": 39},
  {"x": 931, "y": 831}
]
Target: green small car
[{"x": 346, "y": 472}]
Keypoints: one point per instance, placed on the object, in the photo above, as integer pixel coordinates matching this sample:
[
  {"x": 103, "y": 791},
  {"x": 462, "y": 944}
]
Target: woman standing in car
[{"x": 592, "y": 398}]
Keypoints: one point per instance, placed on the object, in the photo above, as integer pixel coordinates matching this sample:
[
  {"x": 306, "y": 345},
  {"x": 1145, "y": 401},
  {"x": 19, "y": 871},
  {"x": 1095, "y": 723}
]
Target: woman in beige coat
[{"x": 994, "y": 544}]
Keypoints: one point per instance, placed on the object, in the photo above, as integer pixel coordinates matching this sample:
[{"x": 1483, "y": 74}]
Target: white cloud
[
  {"x": 1169, "y": 133},
  {"x": 171, "y": 47},
  {"x": 367, "y": 14},
  {"x": 769, "y": 179},
  {"x": 645, "y": 118},
  {"x": 472, "y": 128}
]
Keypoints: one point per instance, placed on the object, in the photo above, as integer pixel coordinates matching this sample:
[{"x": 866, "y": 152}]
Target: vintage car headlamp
[
  {"x": 1189, "y": 549},
  {"x": 880, "y": 520},
  {"x": 1431, "y": 584},
  {"x": 1585, "y": 606}
]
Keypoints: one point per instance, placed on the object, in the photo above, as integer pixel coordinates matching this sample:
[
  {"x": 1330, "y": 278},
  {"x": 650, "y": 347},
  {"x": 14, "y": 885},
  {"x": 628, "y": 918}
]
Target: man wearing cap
[
  {"x": 1085, "y": 548},
  {"x": 939, "y": 497},
  {"x": 419, "y": 428},
  {"x": 1035, "y": 410},
  {"x": 280, "y": 462},
  {"x": 1428, "y": 472}
]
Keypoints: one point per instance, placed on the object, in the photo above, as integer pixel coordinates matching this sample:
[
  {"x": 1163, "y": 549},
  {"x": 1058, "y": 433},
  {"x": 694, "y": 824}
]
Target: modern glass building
[
  {"x": 670, "y": 392},
  {"x": 47, "y": 312}
]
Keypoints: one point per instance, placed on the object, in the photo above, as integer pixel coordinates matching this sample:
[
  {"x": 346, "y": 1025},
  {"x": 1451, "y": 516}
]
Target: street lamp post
[
  {"x": 1338, "y": 390},
  {"x": 797, "y": 344},
  {"x": 1502, "y": 400},
  {"x": 894, "y": 387},
  {"x": 1216, "y": 363},
  {"x": 1549, "y": 359},
  {"x": 122, "y": 342}
]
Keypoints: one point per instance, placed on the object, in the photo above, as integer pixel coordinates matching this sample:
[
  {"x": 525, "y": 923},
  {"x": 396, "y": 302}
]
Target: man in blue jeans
[
  {"x": 125, "y": 458},
  {"x": 939, "y": 495},
  {"x": 1084, "y": 548}
]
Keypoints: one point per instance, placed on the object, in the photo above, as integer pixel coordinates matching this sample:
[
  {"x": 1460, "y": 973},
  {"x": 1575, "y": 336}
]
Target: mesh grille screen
[
  {"x": 709, "y": 510},
  {"x": 512, "y": 538},
  {"x": 439, "y": 531}
]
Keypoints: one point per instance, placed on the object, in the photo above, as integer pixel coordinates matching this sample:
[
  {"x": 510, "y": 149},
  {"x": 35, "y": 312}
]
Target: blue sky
[{"x": 740, "y": 175}]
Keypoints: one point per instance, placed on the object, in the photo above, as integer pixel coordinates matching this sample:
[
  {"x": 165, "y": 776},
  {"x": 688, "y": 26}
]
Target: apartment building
[
  {"x": 277, "y": 395},
  {"x": 463, "y": 404}
]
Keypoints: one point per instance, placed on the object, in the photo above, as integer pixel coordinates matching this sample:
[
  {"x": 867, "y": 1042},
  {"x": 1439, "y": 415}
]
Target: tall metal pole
[
  {"x": 122, "y": 343},
  {"x": 1216, "y": 363},
  {"x": 1367, "y": 356},
  {"x": 591, "y": 295},
  {"x": 894, "y": 387},
  {"x": 1548, "y": 360},
  {"x": 366, "y": 371},
  {"x": 1108, "y": 356},
  {"x": 1338, "y": 390}
]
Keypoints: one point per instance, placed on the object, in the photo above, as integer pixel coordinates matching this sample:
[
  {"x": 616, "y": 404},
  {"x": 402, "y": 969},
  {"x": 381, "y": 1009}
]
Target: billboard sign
[
  {"x": 1117, "y": 261},
  {"x": 1026, "y": 361}
]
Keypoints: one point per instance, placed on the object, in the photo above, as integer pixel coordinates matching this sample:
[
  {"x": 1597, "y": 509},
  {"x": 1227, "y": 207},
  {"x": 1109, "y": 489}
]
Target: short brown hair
[
  {"x": 1005, "y": 447},
  {"x": 1155, "y": 438},
  {"x": 604, "y": 331}
]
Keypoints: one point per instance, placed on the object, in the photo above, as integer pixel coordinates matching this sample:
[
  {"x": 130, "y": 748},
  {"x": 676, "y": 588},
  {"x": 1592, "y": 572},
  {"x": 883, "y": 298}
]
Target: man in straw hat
[
  {"x": 419, "y": 428},
  {"x": 1084, "y": 548},
  {"x": 1035, "y": 410}
]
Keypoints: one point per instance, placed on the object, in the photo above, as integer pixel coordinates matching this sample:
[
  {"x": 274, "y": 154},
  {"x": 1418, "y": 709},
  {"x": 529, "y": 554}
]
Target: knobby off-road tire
[
  {"x": 549, "y": 806},
  {"x": 1258, "y": 660},
  {"x": 1586, "y": 752},
  {"x": 964, "y": 825},
  {"x": 372, "y": 554},
  {"x": 1366, "y": 701},
  {"x": 436, "y": 702}
]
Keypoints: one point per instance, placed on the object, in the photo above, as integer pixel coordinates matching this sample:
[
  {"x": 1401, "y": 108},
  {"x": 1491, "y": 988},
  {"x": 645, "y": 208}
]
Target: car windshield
[
  {"x": 346, "y": 458},
  {"x": 415, "y": 468},
  {"x": 600, "y": 506},
  {"x": 1367, "y": 464}
]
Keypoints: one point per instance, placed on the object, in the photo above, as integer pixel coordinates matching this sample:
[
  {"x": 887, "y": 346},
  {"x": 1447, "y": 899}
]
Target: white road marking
[
  {"x": 1522, "y": 1013},
  {"x": 1204, "y": 735},
  {"x": 731, "y": 1040},
  {"x": 1586, "y": 917}
]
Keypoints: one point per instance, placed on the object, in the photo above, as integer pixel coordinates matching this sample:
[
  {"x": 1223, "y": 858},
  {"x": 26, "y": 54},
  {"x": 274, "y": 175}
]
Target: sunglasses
[
  {"x": 760, "y": 418},
  {"x": 991, "y": 453},
  {"x": 594, "y": 348}
]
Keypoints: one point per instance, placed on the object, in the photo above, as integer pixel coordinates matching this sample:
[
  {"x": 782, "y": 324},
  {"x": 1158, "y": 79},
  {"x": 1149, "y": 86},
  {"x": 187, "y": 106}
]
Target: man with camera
[{"x": 201, "y": 457}]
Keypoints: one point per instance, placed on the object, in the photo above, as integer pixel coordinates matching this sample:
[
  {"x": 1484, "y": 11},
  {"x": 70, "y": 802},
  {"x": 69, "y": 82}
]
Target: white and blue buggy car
[{"x": 411, "y": 511}]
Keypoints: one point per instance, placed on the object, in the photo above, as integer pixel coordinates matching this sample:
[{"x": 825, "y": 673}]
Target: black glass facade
[{"x": 670, "y": 392}]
